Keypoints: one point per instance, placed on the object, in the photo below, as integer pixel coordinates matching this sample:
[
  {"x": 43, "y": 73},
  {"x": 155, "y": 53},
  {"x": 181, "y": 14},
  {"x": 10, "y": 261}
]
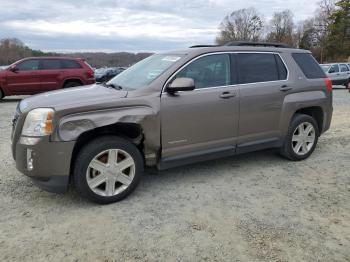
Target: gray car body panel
[{"x": 254, "y": 118}]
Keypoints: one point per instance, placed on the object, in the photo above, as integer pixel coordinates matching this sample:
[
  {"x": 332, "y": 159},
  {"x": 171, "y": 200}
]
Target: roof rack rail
[
  {"x": 198, "y": 46},
  {"x": 263, "y": 44}
]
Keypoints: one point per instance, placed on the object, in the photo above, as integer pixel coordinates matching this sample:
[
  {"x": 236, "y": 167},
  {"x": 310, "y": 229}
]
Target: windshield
[
  {"x": 144, "y": 72},
  {"x": 325, "y": 68}
]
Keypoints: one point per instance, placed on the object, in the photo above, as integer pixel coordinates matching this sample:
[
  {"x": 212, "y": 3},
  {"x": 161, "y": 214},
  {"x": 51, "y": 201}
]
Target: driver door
[
  {"x": 203, "y": 121},
  {"x": 24, "y": 79}
]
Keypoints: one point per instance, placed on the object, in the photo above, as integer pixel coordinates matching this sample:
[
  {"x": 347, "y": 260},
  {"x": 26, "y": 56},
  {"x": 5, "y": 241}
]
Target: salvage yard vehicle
[
  {"x": 338, "y": 73},
  {"x": 40, "y": 74},
  {"x": 173, "y": 109},
  {"x": 106, "y": 74}
]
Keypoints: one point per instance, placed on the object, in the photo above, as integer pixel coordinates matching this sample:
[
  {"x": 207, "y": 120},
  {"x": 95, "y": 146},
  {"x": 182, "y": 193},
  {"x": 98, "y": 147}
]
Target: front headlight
[{"x": 38, "y": 122}]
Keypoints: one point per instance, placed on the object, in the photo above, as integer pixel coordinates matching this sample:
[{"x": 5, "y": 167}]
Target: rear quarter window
[
  {"x": 70, "y": 64},
  {"x": 308, "y": 65}
]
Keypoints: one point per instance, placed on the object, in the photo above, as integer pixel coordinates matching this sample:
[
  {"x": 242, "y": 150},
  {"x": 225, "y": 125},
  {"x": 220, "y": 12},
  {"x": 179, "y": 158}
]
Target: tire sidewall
[
  {"x": 71, "y": 84},
  {"x": 94, "y": 148},
  {"x": 296, "y": 121}
]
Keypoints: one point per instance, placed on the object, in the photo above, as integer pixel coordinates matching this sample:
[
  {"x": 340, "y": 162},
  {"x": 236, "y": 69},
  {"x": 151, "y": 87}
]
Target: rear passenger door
[
  {"x": 263, "y": 84},
  {"x": 50, "y": 73}
]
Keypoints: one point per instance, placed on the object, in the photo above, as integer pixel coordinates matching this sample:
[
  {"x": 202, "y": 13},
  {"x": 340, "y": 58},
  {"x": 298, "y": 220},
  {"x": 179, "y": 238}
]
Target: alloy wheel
[
  {"x": 110, "y": 172},
  {"x": 303, "y": 138}
]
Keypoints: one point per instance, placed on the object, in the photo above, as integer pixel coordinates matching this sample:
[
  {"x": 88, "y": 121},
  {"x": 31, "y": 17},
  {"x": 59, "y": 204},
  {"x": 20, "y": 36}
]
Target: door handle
[
  {"x": 226, "y": 95},
  {"x": 285, "y": 88}
]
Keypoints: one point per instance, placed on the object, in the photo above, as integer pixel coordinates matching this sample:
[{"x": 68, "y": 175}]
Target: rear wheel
[
  {"x": 301, "y": 139},
  {"x": 72, "y": 84},
  {"x": 347, "y": 85},
  {"x": 108, "y": 169},
  {"x": 1, "y": 94}
]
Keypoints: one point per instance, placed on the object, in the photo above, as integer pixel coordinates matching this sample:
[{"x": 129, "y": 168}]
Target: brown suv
[{"x": 173, "y": 109}]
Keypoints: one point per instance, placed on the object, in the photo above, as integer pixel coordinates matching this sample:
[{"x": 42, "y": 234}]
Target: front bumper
[{"x": 50, "y": 162}]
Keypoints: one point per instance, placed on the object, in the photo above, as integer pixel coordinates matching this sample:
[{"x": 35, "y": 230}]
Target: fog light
[{"x": 30, "y": 165}]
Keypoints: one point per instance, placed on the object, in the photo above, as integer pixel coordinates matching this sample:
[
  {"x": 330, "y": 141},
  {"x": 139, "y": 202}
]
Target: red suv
[{"x": 39, "y": 74}]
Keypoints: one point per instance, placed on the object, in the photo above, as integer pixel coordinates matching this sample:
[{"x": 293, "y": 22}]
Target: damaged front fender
[{"x": 72, "y": 126}]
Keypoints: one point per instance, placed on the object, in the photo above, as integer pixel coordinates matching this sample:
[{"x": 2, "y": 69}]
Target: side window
[
  {"x": 308, "y": 64},
  {"x": 70, "y": 64},
  {"x": 282, "y": 70},
  {"x": 344, "y": 68},
  {"x": 50, "y": 64},
  {"x": 28, "y": 65},
  {"x": 208, "y": 71},
  {"x": 334, "y": 69},
  {"x": 257, "y": 67}
]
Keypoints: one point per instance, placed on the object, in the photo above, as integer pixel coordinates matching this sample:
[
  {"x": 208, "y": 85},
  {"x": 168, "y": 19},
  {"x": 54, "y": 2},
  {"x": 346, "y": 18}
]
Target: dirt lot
[{"x": 247, "y": 208}]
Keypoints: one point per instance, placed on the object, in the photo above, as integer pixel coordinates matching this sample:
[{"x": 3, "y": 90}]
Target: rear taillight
[
  {"x": 329, "y": 85},
  {"x": 90, "y": 73}
]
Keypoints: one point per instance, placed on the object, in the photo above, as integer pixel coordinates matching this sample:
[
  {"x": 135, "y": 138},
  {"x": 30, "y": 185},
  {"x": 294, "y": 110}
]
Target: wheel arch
[
  {"x": 315, "y": 112},
  {"x": 68, "y": 80},
  {"x": 129, "y": 131}
]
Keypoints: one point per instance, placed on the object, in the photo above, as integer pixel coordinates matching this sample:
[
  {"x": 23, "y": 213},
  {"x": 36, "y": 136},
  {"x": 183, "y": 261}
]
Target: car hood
[{"x": 72, "y": 97}]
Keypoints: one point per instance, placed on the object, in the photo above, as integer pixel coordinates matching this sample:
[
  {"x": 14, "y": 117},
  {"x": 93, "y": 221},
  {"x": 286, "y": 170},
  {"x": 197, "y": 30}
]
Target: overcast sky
[{"x": 127, "y": 25}]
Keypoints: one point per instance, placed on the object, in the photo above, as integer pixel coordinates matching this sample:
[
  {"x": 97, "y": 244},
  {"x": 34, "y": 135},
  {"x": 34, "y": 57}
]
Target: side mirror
[
  {"x": 181, "y": 84},
  {"x": 14, "y": 69}
]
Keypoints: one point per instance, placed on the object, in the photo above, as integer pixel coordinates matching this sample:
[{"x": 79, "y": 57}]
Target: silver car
[{"x": 339, "y": 73}]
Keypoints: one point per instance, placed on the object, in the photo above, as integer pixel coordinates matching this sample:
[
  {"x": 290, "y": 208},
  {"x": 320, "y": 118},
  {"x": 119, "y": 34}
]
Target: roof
[
  {"x": 53, "y": 57},
  {"x": 212, "y": 49}
]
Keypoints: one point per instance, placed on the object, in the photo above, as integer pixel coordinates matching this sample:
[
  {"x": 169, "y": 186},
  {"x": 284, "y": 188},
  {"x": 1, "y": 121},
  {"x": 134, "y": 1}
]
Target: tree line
[
  {"x": 326, "y": 34},
  {"x": 13, "y": 49}
]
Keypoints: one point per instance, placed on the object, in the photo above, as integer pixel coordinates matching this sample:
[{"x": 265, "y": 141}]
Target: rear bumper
[{"x": 50, "y": 162}]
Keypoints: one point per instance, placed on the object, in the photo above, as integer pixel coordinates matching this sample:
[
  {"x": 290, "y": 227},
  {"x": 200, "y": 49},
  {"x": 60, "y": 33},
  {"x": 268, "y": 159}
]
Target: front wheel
[
  {"x": 301, "y": 139},
  {"x": 108, "y": 169}
]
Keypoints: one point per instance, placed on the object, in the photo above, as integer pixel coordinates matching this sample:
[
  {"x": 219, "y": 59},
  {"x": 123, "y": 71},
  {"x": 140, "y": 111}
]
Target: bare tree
[
  {"x": 243, "y": 24},
  {"x": 321, "y": 24},
  {"x": 281, "y": 27}
]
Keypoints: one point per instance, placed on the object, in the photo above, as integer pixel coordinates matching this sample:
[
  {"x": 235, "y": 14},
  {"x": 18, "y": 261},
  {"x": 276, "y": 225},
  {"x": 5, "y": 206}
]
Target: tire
[
  {"x": 124, "y": 181},
  {"x": 1, "y": 94},
  {"x": 347, "y": 85},
  {"x": 290, "y": 145},
  {"x": 72, "y": 84}
]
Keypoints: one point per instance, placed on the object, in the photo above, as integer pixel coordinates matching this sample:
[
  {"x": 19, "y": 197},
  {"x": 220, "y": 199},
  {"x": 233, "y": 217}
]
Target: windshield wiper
[{"x": 118, "y": 87}]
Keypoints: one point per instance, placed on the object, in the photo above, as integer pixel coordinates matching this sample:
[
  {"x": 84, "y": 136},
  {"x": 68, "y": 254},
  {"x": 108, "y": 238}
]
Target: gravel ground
[{"x": 253, "y": 207}]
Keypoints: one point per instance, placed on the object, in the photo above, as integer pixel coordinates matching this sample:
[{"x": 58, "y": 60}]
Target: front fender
[{"x": 72, "y": 126}]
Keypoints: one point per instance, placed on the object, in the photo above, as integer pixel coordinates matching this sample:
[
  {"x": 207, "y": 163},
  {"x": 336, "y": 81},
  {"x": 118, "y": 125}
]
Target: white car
[{"x": 339, "y": 73}]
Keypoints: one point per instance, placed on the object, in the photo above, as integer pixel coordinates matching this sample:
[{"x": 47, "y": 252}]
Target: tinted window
[
  {"x": 343, "y": 68},
  {"x": 50, "y": 64},
  {"x": 308, "y": 65},
  {"x": 257, "y": 68},
  {"x": 28, "y": 65},
  {"x": 334, "y": 69},
  {"x": 208, "y": 71},
  {"x": 70, "y": 64},
  {"x": 282, "y": 70}
]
